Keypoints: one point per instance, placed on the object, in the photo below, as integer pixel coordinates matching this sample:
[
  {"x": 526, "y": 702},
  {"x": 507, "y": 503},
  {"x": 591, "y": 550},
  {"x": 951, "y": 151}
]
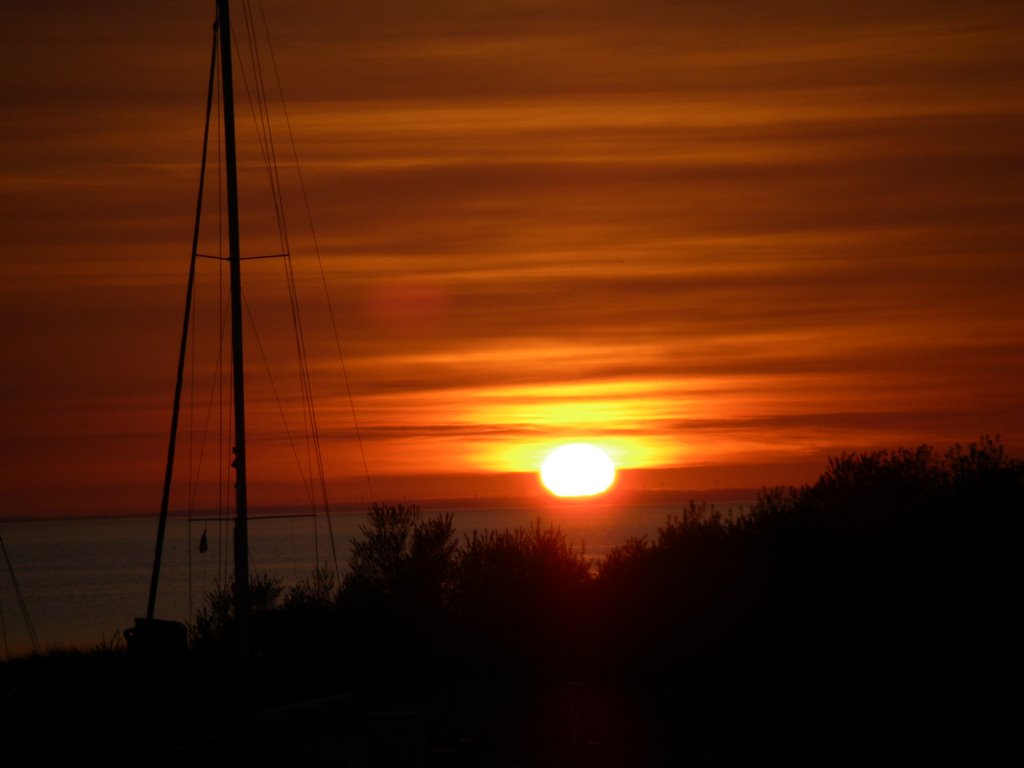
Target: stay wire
[
  {"x": 33, "y": 637},
  {"x": 304, "y": 375},
  {"x": 268, "y": 134},
  {"x": 319, "y": 258},
  {"x": 261, "y": 122},
  {"x": 270, "y": 154},
  {"x": 182, "y": 356},
  {"x": 268, "y": 148},
  {"x": 214, "y": 390},
  {"x": 3, "y": 628},
  {"x": 306, "y": 482}
]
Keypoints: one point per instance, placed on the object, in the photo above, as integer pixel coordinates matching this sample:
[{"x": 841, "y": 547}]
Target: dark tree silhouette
[{"x": 871, "y": 613}]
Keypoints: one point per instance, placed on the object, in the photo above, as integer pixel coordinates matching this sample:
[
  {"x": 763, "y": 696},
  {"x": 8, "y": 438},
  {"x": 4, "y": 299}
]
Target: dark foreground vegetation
[{"x": 867, "y": 619}]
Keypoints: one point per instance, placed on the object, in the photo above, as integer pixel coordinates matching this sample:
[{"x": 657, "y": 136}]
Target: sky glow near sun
[{"x": 721, "y": 241}]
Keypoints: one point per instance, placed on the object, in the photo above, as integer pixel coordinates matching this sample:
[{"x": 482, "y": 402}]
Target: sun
[{"x": 577, "y": 469}]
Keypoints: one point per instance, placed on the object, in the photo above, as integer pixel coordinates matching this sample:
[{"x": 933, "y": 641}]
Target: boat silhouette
[{"x": 154, "y": 639}]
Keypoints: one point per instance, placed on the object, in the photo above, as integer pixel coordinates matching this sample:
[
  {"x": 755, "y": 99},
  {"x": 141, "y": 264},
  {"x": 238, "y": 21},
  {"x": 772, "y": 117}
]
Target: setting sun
[{"x": 577, "y": 469}]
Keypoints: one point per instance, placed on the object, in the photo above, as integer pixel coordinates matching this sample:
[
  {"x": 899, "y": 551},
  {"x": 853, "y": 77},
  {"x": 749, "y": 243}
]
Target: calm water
[{"x": 85, "y": 580}]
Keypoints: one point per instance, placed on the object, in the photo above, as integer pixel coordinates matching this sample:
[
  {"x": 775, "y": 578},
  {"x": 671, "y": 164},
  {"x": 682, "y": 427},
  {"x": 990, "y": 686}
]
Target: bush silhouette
[
  {"x": 215, "y": 620},
  {"x": 888, "y": 580},
  {"x": 870, "y": 613},
  {"x": 401, "y": 555},
  {"x": 394, "y": 600},
  {"x": 521, "y": 594}
]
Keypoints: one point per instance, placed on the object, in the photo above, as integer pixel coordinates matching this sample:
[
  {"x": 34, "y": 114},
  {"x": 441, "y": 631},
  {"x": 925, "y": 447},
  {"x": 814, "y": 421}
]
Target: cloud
[{"x": 729, "y": 229}]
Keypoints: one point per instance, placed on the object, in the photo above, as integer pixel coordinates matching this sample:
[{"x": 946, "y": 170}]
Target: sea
[{"x": 81, "y": 582}]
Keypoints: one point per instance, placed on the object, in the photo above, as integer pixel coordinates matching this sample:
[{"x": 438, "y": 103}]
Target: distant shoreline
[{"x": 713, "y": 496}]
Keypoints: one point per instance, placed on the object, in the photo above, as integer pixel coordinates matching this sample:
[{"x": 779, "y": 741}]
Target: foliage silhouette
[
  {"x": 519, "y": 594},
  {"x": 319, "y": 591},
  {"x": 215, "y": 619},
  {"x": 869, "y": 613},
  {"x": 401, "y": 555}
]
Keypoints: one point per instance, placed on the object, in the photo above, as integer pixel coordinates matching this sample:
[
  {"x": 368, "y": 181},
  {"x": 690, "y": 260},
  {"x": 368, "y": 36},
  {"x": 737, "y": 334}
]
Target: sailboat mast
[{"x": 241, "y": 548}]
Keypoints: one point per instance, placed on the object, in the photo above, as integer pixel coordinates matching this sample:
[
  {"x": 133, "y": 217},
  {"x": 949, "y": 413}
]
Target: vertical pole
[
  {"x": 176, "y": 409},
  {"x": 21, "y": 602},
  {"x": 242, "y": 597}
]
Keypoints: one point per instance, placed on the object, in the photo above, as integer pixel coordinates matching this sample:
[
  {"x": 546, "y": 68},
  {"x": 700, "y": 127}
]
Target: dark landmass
[{"x": 868, "y": 618}]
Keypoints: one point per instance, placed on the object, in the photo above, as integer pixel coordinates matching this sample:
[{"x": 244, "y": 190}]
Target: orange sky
[{"x": 722, "y": 239}]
